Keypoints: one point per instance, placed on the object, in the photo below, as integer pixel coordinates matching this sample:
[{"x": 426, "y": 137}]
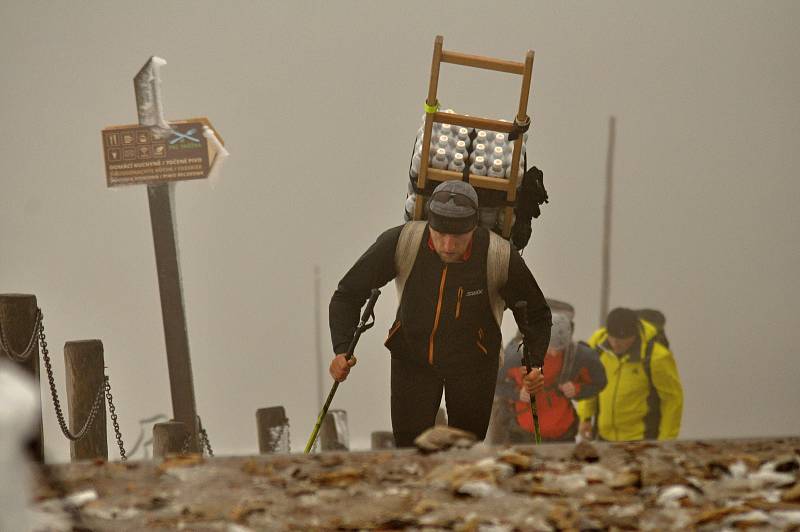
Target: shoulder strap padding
[
  {"x": 406, "y": 253},
  {"x": 497, "y": 260}
]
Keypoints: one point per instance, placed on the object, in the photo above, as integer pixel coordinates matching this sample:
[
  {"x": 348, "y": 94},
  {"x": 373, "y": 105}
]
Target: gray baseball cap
[{"x": 453, "y": 208}]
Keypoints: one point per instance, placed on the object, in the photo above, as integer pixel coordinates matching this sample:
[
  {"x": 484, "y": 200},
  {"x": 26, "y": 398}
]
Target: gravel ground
[{"x": 689, "y": 485}]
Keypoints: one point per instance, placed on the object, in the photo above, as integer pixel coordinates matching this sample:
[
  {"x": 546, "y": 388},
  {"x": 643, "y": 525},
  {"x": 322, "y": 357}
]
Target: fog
[{"x": 319, "y": 102}]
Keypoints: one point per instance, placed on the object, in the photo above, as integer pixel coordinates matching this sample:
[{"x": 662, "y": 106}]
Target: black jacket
[{"x": 444, "y": 318}]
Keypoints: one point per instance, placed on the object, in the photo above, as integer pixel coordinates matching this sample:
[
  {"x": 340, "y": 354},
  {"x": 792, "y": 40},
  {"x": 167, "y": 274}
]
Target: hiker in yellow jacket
[{"x": 643, "y": 398}]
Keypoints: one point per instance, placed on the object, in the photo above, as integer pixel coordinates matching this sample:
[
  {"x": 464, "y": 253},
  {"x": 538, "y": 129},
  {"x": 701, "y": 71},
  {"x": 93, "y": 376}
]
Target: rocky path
[{"x": 693, "y": 485}]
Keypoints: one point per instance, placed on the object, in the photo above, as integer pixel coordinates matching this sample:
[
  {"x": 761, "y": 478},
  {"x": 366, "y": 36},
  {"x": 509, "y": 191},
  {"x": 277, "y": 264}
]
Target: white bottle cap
[
  {"x": 441, "y": 154},
  {"x": 498, "y": 163},
  {"x": 480, "y": 147},
  {"x": 463, "y": 131},
  {"x": 479, "y": 160},
  {"x": 498, "y": 152},
  {"x": 501, "y": 137},
  {"x": 458, "y": 157},
  {"x": 461, "y": 144}
]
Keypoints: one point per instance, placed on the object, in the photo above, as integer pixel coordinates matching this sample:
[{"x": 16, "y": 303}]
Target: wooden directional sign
[
  {"x": 158, "y": 153},
  {"x": 149, "y": 154}
]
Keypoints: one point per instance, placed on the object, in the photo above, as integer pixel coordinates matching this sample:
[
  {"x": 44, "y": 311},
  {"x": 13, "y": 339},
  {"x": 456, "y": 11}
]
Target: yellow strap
[{"x": 430, "y": 109}]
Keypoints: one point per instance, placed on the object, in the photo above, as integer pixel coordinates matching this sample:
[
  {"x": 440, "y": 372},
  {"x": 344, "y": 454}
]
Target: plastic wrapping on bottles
[
  {"x": 449, "y": 141},
  {"x": 457, "y": 164},
  {"x": 478, "y": 166}
]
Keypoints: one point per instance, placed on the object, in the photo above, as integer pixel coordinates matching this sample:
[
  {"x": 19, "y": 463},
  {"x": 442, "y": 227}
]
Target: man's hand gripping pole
[
  {"x": 520, "y": 311},
  {"x": 363, "y": 325}
]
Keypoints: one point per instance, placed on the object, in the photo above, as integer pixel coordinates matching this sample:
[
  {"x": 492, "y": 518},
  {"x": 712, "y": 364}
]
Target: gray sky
[{"x": 318, "y": 103}]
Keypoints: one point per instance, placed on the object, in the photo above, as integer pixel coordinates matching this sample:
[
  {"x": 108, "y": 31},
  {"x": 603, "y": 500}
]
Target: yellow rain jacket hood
[{"x": 622, "y": 405}]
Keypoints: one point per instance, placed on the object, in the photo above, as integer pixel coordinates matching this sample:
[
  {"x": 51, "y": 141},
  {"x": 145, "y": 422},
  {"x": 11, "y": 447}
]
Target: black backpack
[{"x": 657, "y": 318}]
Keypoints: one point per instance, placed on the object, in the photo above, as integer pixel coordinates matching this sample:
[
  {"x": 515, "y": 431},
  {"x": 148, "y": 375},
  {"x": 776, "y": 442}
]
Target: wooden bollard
[
  {"x": 273, "y": 427},
  {"x": 169, "y": 438},
  {"x": 84, "y": 364},
  {"x": 18, "y": 320},
  {"x": 333, "y": 433},
  {"x": 382, "y": 439}
]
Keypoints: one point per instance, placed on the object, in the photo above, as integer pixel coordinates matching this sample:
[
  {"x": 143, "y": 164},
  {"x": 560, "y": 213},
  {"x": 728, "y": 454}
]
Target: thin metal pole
[{"x": 606, "y": 279}]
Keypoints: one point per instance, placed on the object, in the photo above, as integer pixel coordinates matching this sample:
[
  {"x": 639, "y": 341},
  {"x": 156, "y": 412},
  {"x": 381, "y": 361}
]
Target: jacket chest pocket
[{"x": 469, "y": 302}]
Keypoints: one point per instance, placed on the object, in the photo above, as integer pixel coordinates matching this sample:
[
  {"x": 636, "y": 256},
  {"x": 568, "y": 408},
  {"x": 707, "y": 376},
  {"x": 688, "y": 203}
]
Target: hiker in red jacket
[{"x": 571, "y": 371}]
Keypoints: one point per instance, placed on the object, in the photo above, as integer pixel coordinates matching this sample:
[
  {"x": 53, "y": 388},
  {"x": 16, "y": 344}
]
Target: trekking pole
[
  {"x": 362, "y": 326},
  {"x": 520, "y": 311}
]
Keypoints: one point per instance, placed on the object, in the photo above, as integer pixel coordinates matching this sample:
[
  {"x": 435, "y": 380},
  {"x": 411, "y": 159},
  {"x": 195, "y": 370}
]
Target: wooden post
[
  {"x": 18, "y": 320},
  {"x": 176, "y": 337},
  {"x": 605, "y": 282},
  {"x": 84, "y": 365},
  {"x": 333, "y": 433},
  {"x": 169, "y": 438},
  {"x": 382, "y": 439},
  {"x": 272, "y": 425}
]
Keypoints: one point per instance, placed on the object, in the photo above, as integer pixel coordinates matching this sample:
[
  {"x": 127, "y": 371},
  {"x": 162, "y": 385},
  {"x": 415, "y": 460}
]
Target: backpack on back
[{"x": 659, "y": 321}]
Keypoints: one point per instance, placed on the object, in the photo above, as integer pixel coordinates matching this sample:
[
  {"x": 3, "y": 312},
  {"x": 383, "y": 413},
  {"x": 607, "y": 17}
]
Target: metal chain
[
  {"x": 202, "y": 435},
  {"x": 105, "y": 389},
  {"x": 204, "y": 440},
  {"x": 54, "y": 393},
  {"x": 26, "y": 354},
  {"x": 122, "y": 456}
]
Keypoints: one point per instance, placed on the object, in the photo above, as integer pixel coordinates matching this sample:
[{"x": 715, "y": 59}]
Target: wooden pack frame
[{"x": 509, "y": 186}]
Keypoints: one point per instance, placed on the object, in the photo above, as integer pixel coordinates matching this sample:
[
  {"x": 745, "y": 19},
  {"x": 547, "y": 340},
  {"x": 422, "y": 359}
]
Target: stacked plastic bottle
[{"x": 454, "y": 148}]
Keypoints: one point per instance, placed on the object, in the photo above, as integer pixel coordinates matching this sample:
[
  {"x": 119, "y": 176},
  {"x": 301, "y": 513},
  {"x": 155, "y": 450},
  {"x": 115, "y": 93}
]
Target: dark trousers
[{"x": 417, "y": 393}]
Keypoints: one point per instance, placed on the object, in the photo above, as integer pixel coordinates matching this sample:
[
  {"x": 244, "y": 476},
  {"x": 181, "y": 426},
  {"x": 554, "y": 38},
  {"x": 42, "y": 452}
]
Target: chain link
[
  {"x": 122, "y": 456},
  {"x": 54, "y": 393},
  {"x": 202, "y": 436},
  {"x": 204, "y": 440},
  {"x": 26, "y": 354},
  {"x": 105, "y": 386}
]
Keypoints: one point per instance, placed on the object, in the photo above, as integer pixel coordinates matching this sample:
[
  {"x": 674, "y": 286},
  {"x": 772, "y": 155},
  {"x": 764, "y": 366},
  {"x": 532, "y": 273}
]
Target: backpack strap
[
  {"x": 497, "y": 260},
  {"x": 652, "y": 420},
  {"x": 648, "y": 356},
  {"x": 405, "y": 253}
]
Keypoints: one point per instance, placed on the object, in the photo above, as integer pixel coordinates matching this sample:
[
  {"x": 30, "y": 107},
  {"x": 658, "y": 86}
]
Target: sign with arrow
[
  {"x": 145, "y": 154},
  {"x": 158, "y": 153}
]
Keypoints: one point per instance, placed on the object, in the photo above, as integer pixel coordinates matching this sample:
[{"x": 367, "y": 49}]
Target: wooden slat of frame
[
  {"x": 486, "y": 63},
  {"x": 477, "y": 181},
  {"x": 472, "y": 121},
  {"x": 426, "y": 137}
]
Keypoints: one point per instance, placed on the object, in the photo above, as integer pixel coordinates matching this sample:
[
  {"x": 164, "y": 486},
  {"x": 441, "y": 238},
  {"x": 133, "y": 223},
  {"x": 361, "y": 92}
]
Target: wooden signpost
[{"x": 159, "y": 153}]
